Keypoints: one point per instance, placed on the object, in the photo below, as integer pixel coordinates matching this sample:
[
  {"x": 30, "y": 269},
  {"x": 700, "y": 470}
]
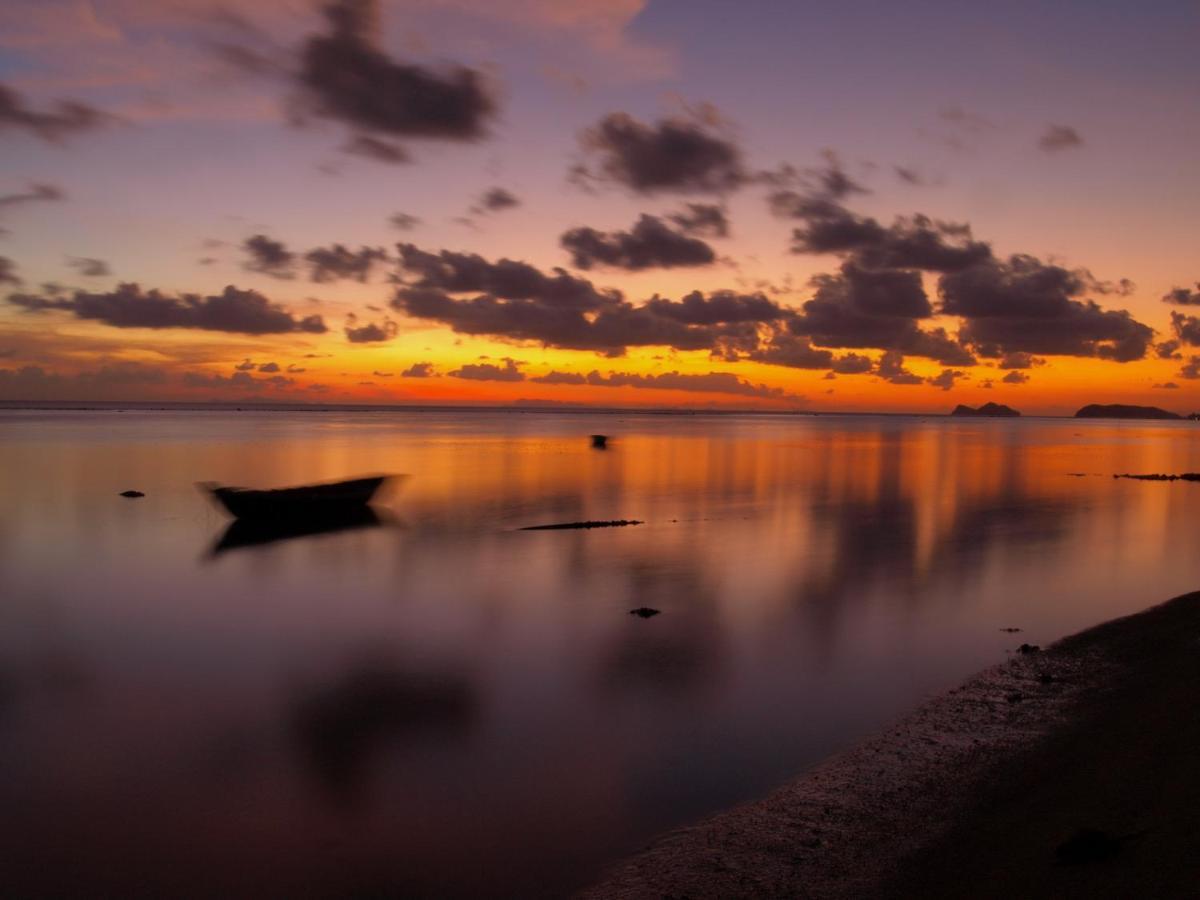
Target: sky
[{"x": 633, "y": 203}]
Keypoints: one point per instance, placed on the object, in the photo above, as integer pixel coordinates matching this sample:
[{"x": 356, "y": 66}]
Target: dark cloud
[
  {"x": 891, "y": 368},
  {"x": 671, "y": 155},
  {"x": 946, "y": 378},
  {"x": 1015, "y": 377},
  {"x": 1059, "y": 137},
  {"x": 344, "y": 75},
  {"x": 1024, "y": 305},
  {"x": 707, "y": 382},
  {"x": 418, "y": 370},
  {"x": 490, "y": 371},
  {"x": 851, "y": 364},
  {"x": 649, "y": 244},
  {"x": 1191, "y": 369},
  {"x": 39, "y": 192},
  {"x": 1183, "y": 296},
  {"x": 702, "y": 220},
  {"x": 717, "y": 308},
  {"x": 89, "y": 267},
  {"x": 403, "y": 221},
  {"x": 334, "y": 262},
  {"x": 909, "y": 175},
  {"x": 495, "y": 200},
  {"x": 1186, "y": 328},
  {"x": 1167, "y": 350},
  {"x": 233, "y": 310},
  {"x": 269, "y": 367},
  {"x": 269, "y": 257},
  {"x": 110, "y": 381},
  {"x": 8, "y": 272},
  {"x": 246, "y": 365},
  {"x": 65, "y": 119},
  {"x": 785, "y": 349},
  {"x": 369, "y": 332},
  {"x": 369, "y": 147},
  {"x": 1020, "y": 360},
  {"x": 1167, "y": 386}
]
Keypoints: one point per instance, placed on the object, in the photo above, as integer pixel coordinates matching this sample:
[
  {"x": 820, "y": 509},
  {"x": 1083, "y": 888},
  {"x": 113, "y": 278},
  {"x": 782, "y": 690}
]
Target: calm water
[{"x": 444, "y": 705}]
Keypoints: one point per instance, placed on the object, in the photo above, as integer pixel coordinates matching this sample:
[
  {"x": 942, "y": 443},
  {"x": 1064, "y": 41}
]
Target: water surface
[{"x": 440, "y": 704}]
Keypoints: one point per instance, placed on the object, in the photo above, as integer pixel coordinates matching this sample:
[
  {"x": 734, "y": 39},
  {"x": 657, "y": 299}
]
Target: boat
[
  {"x": 311, "y": 501},
  {"x": 261, "y": 531}
]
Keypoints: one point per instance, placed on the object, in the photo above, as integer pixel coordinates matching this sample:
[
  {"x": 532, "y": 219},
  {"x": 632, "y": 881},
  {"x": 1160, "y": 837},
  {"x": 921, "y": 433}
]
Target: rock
[
  {"x": 1088, "y": 845},
  {"x": 131, "y": 494},
  {"x": 644, "y": 612},
  {"x": 1010, "y": 630},
  {"x": 600, "y": 441},
  {"x": 988, "y": 409},
  {"x": 1026, "y": 649},
  {"x": 1123, "y": 411}
]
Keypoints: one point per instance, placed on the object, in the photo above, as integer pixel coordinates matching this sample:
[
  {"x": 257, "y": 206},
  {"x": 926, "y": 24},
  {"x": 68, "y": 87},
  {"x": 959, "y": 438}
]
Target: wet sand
[{"x": 973, "y": 793}]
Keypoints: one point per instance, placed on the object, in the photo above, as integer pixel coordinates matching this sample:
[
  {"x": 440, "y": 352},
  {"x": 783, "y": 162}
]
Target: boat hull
[{"x": 309, "y": 502}]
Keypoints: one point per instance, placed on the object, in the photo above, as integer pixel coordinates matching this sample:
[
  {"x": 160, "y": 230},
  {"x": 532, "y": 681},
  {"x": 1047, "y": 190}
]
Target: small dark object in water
[
  {"x": 1046, "y": 678},
  {"x": 1028, "y": 648},
  {"x": 308, "y": 501},
  {"x": 1158, "y": 476},
  {"x": 600, "y": 441},
  {"x": 644, "y": 612},
  {"x": 1015, "y": 697},
  {"x": 614, "y": 523},
  {"x": 131, "y": 494},
  {"x": 1088, "y": 845},
  {"x": 1010, "y": 630}
]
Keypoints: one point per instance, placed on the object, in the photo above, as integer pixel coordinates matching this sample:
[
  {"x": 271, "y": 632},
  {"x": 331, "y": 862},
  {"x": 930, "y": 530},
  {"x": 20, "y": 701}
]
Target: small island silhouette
[
  {"x": 988, "y": 409},
  {"x": 1123, "y": 411}
]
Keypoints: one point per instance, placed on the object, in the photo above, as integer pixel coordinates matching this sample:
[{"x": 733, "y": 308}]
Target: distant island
[
  {"x": 988, "y": 409},
  {"x": 1122, "y": 411}
]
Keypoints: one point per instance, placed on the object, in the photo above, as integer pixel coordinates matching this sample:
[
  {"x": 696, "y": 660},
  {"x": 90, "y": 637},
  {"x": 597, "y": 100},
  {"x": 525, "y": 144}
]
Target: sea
[{"x": 431, "y": 701}]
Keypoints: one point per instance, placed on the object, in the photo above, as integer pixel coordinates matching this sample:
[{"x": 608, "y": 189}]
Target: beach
[{"x": 1067, "y": 771}]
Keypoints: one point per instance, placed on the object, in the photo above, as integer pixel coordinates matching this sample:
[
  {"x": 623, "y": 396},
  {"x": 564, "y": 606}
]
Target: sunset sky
[{"x": 776, "y": 205}]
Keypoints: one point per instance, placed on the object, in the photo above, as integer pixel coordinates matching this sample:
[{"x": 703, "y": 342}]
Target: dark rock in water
[
  {"x": 131, "y": 494},
  {"x": 600, "y": 441},
  {"x": 1158, "y": 476},
  {"x": 988, "y": 409},
  {"x": 1046, "y": 678},
  {"x": 1014, "y": 697},
  {"x": 1028, "y": 648},
  {"x": 644, "y": 612},
  {"x": 1010, "y": 630},
  {"x": 613, "y": 523},
  {"x": 1088, "y": 845},
  {"x": 1123, "y": 411}
]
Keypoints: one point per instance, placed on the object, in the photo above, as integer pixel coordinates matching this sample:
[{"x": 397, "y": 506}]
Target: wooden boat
[{"x": 312, "y": 501}]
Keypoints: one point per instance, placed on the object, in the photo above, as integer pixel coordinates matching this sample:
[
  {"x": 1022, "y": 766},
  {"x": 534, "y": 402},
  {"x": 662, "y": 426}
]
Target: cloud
[
  {"x": 240, "y": 379},
  {"x": 684, "y": 155},
  {"x": 403, "y": 221},
  {"x": 345, "y": 76},
  {"x": 909, "y": 175},
  {"x": 39, "y": 192},
  {"x": 1024, "y": 305},
  {"x": 1186, "y": 328},
  {"x": 268, "y": 257},
  {"x": 1020, "y": 360},
  {"x": 946, "y": 378},
  {"x": 418, "y": 370},
  {"x": 891, "y": 368},
  {"x": 490, "y": 371},
  {"x": 369, "y": 147},
  {"x": 1059, "y": 137},
  {"x": 369, "y": 332},
  {"x": 786, "y": 349},
  {"x": 233, "y": 310},
  {"x": 67, "y": 118},
  {"x": 495, "y": 200},
  {"x": 89, "y": 267},
  {"x": 1191, "y": 369},
  {"x": 269, "y": 367},
  {"x": 1183, "y": 296},
  {"x": 334, "y": 262},
  {"x": 702, "y": 219},
  {"x": 649, "y": 244},
  {"x": 325, "y": 264},
  {"x": 1167, "y": 386},
  {"x": 707, "y": 382},
  {"x": 110, "y": 381},
  {"x": 1167, "y": 350},
  {"x": 8, "y": 272}
]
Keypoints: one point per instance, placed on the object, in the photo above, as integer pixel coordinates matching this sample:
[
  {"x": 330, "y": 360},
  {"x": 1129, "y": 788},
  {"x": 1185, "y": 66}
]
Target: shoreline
[{"x": 972, "y": 793}]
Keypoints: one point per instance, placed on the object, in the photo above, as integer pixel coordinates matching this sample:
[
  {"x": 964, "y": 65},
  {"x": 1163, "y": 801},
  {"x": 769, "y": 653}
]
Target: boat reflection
[{"x": 257, "y": 533}]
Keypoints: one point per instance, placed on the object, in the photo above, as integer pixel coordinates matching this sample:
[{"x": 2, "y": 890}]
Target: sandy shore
[{"x": 974, "y": 793}]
